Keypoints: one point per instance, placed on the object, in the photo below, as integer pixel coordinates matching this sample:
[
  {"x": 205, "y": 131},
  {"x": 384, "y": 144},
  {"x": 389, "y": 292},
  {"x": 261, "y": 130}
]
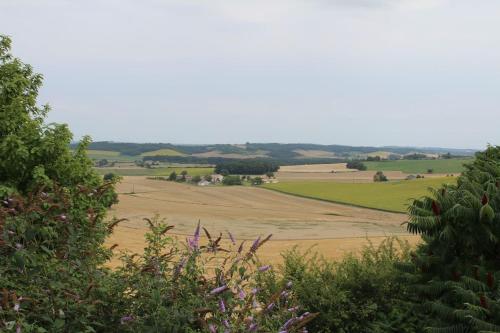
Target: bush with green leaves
[
  {"x": 456, "y": 271},
  {"x": 194, "y": 287},
  {"x": 356, "y": 294}
]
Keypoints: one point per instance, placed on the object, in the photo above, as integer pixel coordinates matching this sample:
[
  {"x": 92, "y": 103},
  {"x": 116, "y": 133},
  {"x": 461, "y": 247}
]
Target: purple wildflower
[
  {"x": 255, "y": 245},
  {"x": 63, "y": 217},
  {"x": 284, "y": 294},
  {"x": 226, "y": 323},
  {"x": 16, "y": 307},
  {"x": 264, "y": 268},
  {"x": 289, "y": 322},
  {"x": 255, "y": 291},
  {"x": 252, "y": 327},
  {"x": 293, "y": 309},
  {"x": 219, "y": 290},
  {"x": 289, "y": 284},
  {"x": 231, "y": 237},
  {"x": 19, "y": 246},
  {"x": 242, "y": 294},
  {"x": 196, "y": 236},
  {"x": 222, "y": 305},
  {"x": 212, "y": 328},
  {"x": 126, "y": 319},
  {"x": 270, "y": 307},
  {"x": 304, "y": 315},
  {"x": 179, "y": 267},
  {"x": 18, "y": 329}
]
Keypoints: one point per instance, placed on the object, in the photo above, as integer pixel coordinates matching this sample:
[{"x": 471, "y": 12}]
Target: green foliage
[
  {"x": 231, "y": 180},
  {"x": 247, "y": 167},
  {"x": 358, "y": 165},
  {"x": 357, "y": 294},
  {"x": 457, "y": 268},
  {"x": 379, "y": 177},
  {"x": 34, "y": 154}
]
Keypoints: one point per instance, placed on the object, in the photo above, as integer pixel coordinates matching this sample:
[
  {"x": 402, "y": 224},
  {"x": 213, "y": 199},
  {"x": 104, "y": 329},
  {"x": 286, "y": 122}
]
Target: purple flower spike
[
  {"x": 219, "y": 290},
  {"x": 270, "y": 307},
  {"x": 212, "y": 328},
  {"x": 222, "y": 306},
  {"x": 226, "y": 323},
  {"x": 255, "y": 245},
  {"x": 289, "y": 322},
  {"x": 16, "y": 307},
  {"x": 231, "y": 237},
  {"x": 18, "y": 329},
  {"x": 242, "y": 294},
  {"x": 126, "y": 319},
  {"x": 294, "y": 309},
  {"x": 264, "y": 268},
  {"x": 196, "y": 235},
  {"x": 252, "y": 327}
]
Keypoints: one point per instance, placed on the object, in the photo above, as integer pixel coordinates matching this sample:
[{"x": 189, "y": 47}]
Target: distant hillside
[{"x": 288, "y": 151}]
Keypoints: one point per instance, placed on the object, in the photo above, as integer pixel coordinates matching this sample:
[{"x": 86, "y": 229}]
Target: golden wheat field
[{"x": 249, "y": 212}]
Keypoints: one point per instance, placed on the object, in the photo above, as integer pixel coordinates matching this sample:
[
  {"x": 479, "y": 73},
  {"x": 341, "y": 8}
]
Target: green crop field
[
  {"x": 419, "y": 166},
  {"x": 163, "y": 152},
  {"x": 391, "y": 196},
  {"x": 192, "y": 171}
]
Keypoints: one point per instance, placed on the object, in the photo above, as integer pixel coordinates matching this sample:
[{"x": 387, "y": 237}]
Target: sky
[{"x": 354, "y": 72}]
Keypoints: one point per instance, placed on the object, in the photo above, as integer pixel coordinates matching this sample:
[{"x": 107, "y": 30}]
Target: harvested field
[{"x": 249, "y": 212}]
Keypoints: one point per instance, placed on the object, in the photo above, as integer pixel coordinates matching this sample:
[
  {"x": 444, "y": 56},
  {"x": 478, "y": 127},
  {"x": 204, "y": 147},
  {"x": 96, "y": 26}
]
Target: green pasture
[
  {"x": 163, "y": 152},
  {"x": 447, "y": 166},
  {"x": 165, "y": 171},
  {"x": 390, "y": 196}
]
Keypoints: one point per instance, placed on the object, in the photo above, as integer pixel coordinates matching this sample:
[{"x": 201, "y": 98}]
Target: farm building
[
  {"x": 217, "y": 178},
  {"x": 203, "y": 183}
]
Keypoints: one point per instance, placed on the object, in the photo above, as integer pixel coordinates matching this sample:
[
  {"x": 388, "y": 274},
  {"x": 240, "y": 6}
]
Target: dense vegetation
[
  {"x": 52, "y": 254},
  {"x": 246, "y": 167},
  {"x": 357, "y": 165}
]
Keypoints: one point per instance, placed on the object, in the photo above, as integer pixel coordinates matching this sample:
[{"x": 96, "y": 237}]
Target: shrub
[
  {"x": 379, "y": 177},
  {"x": 357, "y": 294},
  {"x": 358, "y": 165},
  {"x": 456, "y": 271},
  {"x": 232, "y": 180},
  {"x": 208, "y": 287}
]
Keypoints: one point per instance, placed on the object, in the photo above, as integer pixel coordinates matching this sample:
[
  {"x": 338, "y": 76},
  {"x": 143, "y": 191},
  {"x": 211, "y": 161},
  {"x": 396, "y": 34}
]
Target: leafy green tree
[
  {"x": 52, "y": 209},
  {"x": 379, "y": 177},
  {"x": 232, "y": 180},
  {"x": 356, "y": 165},
  {"x": 32, "y": 153},
  {"x": 456, "y": 271},
  {"x": 257, "y": 181},
  {"x": 196, "y": 179},
  {"x": 172, "y": 176}
]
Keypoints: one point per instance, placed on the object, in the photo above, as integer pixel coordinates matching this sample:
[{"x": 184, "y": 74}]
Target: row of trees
[{"x": 246, "y": 167}]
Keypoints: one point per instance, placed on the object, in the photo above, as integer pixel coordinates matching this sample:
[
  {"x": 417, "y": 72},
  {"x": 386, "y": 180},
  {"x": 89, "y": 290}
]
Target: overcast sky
[{"x": 356, "y": 72}]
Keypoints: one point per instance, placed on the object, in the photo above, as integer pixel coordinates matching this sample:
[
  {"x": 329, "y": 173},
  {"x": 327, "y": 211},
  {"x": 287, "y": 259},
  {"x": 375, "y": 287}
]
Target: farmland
[
  {"x": 419, "y": 166},
  {"x": 161, "y": 171},
  {"x": 249, "y": 212},
  {"x": 390, "y": 196}
]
